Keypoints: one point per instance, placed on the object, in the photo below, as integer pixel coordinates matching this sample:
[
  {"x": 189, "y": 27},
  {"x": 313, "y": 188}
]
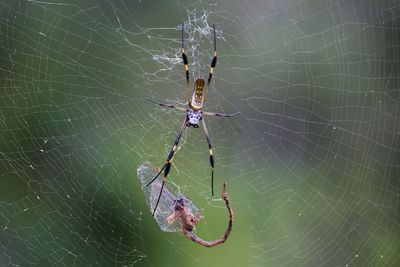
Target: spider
[
  {"x": 188, "y": 220},
  {"x": 194, "y": 115}
]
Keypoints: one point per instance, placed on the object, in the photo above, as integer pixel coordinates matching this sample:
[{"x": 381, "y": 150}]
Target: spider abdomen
[{"x": 197, "y": 100}]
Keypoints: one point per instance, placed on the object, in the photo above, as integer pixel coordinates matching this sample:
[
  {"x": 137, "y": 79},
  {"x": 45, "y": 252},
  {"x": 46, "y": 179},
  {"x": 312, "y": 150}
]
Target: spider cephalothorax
[{"x": 194, "y": 117}]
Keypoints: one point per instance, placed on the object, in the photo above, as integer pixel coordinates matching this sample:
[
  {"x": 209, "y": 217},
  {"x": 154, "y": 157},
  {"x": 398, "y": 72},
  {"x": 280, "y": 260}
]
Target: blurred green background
[{"x": 312, "y": 163}]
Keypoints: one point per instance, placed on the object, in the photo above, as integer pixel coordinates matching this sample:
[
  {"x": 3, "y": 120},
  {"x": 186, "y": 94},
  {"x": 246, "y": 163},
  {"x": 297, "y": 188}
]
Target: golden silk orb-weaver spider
[{"x": 194, "y": 114}]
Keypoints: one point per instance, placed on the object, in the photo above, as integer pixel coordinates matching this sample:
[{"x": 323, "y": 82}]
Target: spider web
[{"x": 312, "y": 163}]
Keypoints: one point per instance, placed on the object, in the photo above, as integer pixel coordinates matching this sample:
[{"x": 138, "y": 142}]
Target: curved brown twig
[{"x": 188, "y": 221}]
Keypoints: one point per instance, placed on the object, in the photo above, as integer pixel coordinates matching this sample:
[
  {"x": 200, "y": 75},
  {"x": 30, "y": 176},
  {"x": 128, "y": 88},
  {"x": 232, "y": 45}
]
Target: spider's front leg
[
  {"x": 185, "y": 62},
  {"x": 213, "y": 64}
]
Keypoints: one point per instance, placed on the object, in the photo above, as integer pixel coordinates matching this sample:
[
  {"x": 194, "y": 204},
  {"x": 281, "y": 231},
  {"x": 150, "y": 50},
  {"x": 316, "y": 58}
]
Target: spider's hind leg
[{"x": 211, "y": 155}]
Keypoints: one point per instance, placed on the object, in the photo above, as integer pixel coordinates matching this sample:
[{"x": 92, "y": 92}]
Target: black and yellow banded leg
[
  {"x": 211, "y": 155},
  {"x": 186, "y": 62},
  {"x": 167, "y": 164},
  {"x": 213, "y": 64}
]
